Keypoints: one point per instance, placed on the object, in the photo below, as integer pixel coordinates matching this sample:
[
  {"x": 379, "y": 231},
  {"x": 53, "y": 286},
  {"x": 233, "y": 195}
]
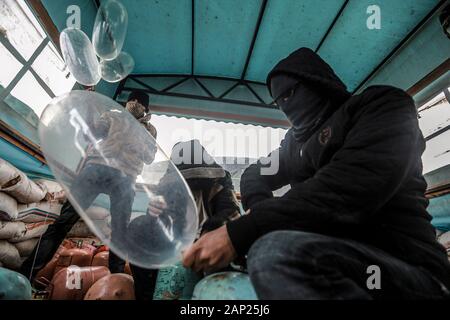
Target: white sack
[
  {"x": 40, "y": 211},
  {"x": 80, "y": 230},
  {"x": 9, "y": 255},
  {"x": 7, "y": 172},
  {"x": 444, "y": 239},
  {"x": 11, "y": 229},
  {"x": 26, "y": 247},
  {"x": 25, "y": 190},
  {"x": 8, "y": 207},
  {"x": 34, "y": 230}
]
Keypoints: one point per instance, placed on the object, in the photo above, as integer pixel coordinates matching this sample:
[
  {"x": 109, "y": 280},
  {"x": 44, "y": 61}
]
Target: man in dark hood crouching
[{"x": 354, "y": 224}]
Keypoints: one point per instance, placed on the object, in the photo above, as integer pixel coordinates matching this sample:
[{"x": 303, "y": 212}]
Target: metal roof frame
[{"x": 185, "y": 77}]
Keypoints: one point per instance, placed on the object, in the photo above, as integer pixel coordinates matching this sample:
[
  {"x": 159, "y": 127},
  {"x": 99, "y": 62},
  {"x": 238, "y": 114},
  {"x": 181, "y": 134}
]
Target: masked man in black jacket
[{"x": 354, "y": 224}]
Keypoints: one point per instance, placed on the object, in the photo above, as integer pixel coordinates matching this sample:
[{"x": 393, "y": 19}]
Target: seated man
[
  {"x": 356, "y": 204},
  {"x": 213, "y": 193},
  {"x": 210, "y": 184}
]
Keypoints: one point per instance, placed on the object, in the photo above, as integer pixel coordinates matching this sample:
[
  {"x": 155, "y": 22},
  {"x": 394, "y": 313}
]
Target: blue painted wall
[{"x": 58, "y": 12}]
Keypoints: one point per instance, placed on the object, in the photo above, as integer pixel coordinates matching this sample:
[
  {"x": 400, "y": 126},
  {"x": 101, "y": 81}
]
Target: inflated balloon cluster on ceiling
[{"x": 108, "y": 36}]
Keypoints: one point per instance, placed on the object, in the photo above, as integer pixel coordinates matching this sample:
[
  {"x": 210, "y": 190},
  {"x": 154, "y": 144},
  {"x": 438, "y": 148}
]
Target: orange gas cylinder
[
  {"x": 73, "y": 257},
  {"x": 117, "y": 286},
  {"x": 102, "y": 248},
  {"x": 101, "y": 259},
  {"x": 45, "y": 275},
  {"x": 73, "y": 282}
]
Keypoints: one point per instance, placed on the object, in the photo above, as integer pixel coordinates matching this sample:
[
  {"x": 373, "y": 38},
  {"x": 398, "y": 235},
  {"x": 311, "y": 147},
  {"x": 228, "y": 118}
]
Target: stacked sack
[
  {"x": 444, "y": 239},
  {"x": 25, "y": 213}
]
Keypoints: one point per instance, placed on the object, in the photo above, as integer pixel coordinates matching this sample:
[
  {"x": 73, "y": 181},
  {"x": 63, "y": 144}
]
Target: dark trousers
[
  {"x": 52, "y": 239},
  {"x": 301, "y": 265},
  {"x": 93, "y": 180}
]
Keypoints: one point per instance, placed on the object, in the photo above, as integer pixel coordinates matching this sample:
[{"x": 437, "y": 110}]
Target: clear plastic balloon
[
  {"x": 110, "y": 29},
  {"x": 79, "y": 56},
  {"x": 117, "y": 69},
  {"x": 118, "y": 179}
]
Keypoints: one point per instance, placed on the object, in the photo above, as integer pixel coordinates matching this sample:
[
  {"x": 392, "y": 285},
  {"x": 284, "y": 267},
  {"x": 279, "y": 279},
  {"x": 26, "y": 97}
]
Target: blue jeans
[
  {"x": 301, "y": 265},
  {"x": 97, "y": 178}
]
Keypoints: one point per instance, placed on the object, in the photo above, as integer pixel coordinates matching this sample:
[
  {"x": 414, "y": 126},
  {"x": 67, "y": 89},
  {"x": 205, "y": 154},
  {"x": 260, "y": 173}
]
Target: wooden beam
[
  {"x": 435, "y": 74},
  {"x": 438, "y": 190},
  {"x": 46, "y": 21},
  {"x": 21, "y": 142}
]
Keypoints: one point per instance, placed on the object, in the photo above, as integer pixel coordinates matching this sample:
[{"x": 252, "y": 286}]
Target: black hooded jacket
[
  {"x": 358, "y": 176},
  {"x": 203, "y": 174}
]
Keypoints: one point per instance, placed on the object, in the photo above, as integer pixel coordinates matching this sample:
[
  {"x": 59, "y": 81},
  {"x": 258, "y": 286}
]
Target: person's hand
[
  {"x": 212, "y": 251},
  {"x": 136, "y": 109},
  {"x": 145, "y": 118},
  {"x": 48, "y": 196},
  {"x": 156, "y": 206}
]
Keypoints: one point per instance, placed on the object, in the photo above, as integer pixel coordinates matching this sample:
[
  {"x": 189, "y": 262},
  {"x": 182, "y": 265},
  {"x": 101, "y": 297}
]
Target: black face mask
[{"x": 303, "y": 106}]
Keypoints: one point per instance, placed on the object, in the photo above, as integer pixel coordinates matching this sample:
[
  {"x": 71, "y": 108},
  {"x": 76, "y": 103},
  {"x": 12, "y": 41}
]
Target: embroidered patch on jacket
[{"x": 325, "y": 135}]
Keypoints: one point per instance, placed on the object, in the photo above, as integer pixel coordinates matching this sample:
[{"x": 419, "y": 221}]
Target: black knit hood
[
  {"x": 308, "y": 66},
  {"x": 198, "y": 167}
]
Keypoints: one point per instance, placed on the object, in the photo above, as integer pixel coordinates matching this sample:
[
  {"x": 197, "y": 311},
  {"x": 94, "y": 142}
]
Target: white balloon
[
  {"x": 104, "y": 158},
  {"x": 117, "y": 69},
  {"x": 79, "y": 56},
  {"x": 110, "y": 29}
]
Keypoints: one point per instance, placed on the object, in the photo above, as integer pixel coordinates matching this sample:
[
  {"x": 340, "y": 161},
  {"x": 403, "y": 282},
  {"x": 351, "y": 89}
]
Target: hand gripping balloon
[{"x": 105, "y": 158}]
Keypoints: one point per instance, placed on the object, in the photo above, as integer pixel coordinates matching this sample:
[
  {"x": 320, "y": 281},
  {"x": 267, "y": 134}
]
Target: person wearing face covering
[
  {"x": 213, "y": 193},
  {"x": 112, "y": 172},
  {"x": 354, "y": 224}
]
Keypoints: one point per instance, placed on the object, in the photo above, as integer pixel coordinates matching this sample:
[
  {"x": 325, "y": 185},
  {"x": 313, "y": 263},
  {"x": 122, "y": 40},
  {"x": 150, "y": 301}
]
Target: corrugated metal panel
[
  {"x": 223, "y": 33},
  {"x": 288, "y": 25},
  {"x": 428, "y": 49},
  {"x": 354, "y": 51},
  {"x": 159, "y": 35}
]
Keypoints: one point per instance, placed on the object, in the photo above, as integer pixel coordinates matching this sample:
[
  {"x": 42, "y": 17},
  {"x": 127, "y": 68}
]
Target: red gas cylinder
[
  {"x": 117, "y": 286},
  {"x": 45, "y": 275},
  {"x": 73, "y": 257},
  {"x": 102, "y": 248},
  {"x": 101, "y": 259},
  {"x": 73, "y": 282}
]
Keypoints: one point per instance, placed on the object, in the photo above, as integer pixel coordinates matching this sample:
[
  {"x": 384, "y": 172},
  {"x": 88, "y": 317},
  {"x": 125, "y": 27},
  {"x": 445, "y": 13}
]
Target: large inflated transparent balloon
[
  {"x": 117, "y": 69},
  {"x": 79, "y": 56},
  {"x": 110, "y": 29},
  {"x": 118, "y": 179}
]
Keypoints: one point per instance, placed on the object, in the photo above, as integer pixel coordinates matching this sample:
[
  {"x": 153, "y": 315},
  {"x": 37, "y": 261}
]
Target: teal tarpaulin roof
[
  {"x": 161, "y": 34},
  {"x": 209, "y": 58},
  {"x": 220, "y": 41}
]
